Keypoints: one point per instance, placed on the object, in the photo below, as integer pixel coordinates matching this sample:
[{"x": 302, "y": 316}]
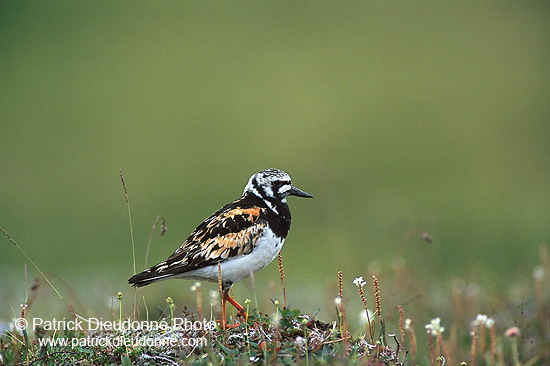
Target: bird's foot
[{"x": 223, "y": 323}]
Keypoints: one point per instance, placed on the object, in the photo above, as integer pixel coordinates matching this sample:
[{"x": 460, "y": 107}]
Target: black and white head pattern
[{"x": 270, "y": 184}]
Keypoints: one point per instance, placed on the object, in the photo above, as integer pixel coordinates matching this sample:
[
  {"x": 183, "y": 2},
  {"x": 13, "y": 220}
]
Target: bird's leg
[
  {"x": 237, "y": 306},
  {"x": 240, "y": 310}
]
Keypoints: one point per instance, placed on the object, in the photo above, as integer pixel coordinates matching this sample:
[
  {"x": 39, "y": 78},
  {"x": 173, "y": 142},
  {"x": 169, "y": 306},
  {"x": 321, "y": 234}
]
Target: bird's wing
[{"x": 230, "y": 232}]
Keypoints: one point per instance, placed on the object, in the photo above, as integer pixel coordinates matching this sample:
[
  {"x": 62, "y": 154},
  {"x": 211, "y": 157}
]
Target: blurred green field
[{"x": 399, "y": 117}]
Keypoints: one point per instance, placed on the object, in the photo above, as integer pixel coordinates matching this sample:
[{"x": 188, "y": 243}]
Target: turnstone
[{"x": 242, "y": 237}]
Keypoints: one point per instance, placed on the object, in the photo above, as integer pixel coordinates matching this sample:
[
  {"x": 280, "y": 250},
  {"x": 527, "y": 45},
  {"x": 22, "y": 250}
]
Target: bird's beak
[{"x": 298, "y": 192}]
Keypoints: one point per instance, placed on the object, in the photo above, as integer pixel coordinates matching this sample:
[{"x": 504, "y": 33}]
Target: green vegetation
[{"x": 388, "y": 336}]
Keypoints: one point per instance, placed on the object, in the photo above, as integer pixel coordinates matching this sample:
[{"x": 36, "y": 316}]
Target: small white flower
[
  {"x": 435, "y": 328},
  {"x": 337, "y": 301},
  {"x": 408, "y": 324},
  {"x": 214, "y": 297},
  {"x": 538, "y": 273},
  {"x": 359, "y": 282},
  {"x": 479, "y": 320},
  {"x": 483, "y": 320},
  {"x": 195, "y": 286}
]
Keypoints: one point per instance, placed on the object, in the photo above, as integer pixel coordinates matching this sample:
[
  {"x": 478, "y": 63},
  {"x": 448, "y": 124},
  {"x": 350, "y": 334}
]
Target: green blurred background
[{"x": 399, "y": 117}]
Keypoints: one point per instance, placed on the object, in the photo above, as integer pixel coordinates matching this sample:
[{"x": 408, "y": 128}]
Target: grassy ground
[{"x": 512, "y": 334}]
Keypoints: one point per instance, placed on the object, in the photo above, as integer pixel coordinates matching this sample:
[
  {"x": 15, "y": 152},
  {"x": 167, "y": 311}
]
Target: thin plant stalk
[
  {"x": 282, "y": 275},
  {"x": 129, "y": 220},
  {"x": 38, "y": 269},
  {"x": 136, "y": 305}
]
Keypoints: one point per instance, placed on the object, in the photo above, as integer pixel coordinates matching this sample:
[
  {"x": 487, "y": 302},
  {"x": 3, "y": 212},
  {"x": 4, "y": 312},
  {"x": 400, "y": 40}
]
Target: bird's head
[{"x": 273, "y": 183}]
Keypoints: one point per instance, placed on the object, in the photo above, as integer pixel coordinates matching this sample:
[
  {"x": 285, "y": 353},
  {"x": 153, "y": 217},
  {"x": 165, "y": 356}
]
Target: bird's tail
[{"x": 147, "y": 277}]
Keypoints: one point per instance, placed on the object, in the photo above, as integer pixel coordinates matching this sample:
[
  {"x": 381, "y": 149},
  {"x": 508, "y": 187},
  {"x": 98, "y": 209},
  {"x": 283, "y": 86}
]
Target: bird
[{"x": 234, "y": 242}]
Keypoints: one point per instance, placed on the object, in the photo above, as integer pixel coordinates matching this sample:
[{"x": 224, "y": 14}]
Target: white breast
[{"x": 238, "y": 268}]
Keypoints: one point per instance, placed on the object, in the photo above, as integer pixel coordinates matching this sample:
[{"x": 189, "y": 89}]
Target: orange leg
[
  {"x": 237, "y": 306},
  {"x": 222, "y": 321},
  {"x": 240, "y": 310}
]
